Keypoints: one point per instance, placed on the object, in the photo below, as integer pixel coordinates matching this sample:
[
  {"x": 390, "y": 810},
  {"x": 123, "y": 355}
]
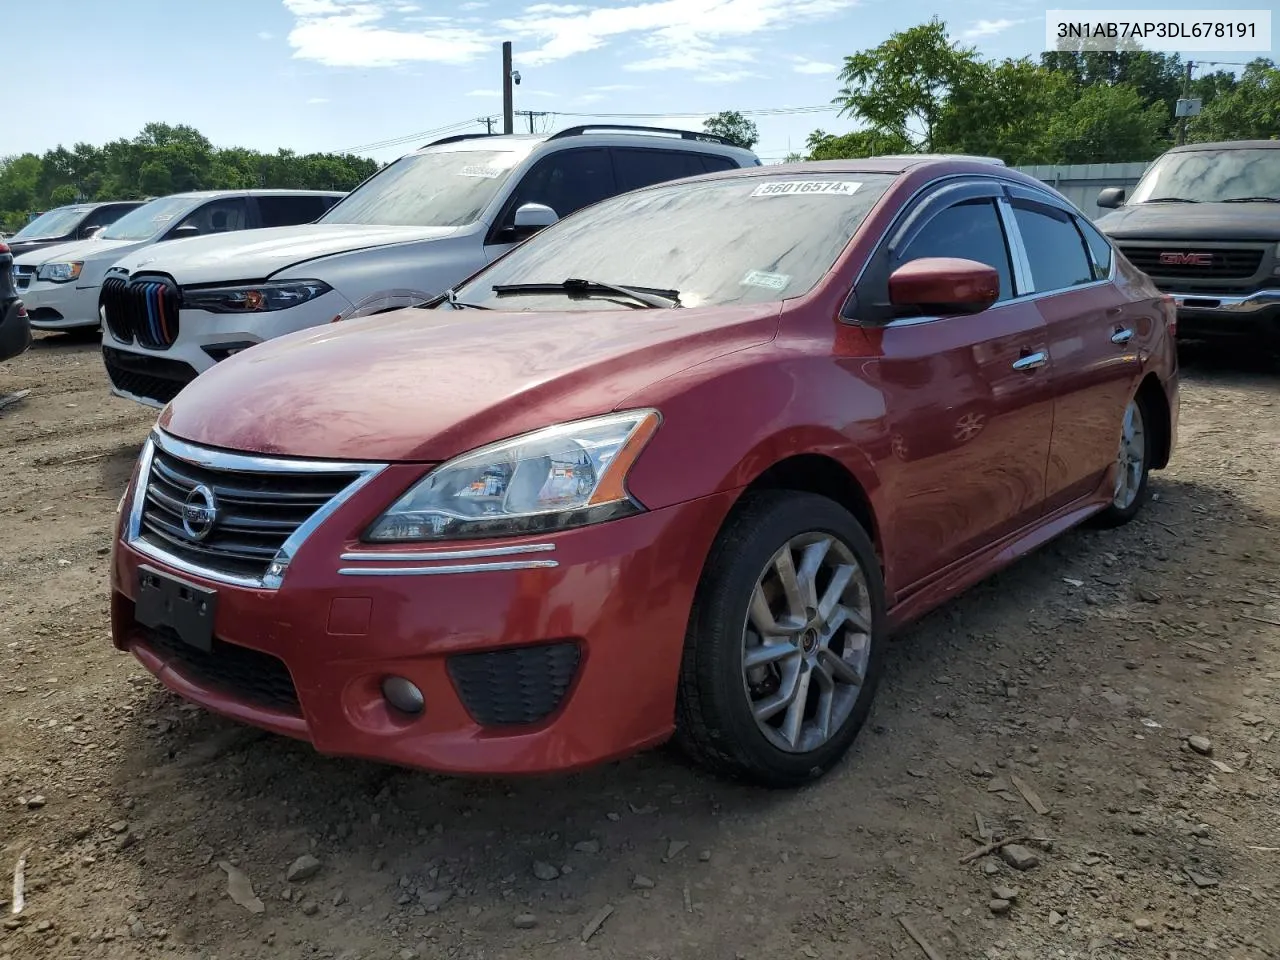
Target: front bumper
[
  {"x": 599, "y": 612},
  {"x": 61, "y": 306},
  {"x": 1204, "y": 314}
]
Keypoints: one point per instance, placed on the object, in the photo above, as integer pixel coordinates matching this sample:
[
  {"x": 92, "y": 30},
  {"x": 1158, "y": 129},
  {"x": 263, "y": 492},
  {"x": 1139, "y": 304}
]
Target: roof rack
[
  {"x": 682, "y": 134},
  {"x": 456, "y": 138}
]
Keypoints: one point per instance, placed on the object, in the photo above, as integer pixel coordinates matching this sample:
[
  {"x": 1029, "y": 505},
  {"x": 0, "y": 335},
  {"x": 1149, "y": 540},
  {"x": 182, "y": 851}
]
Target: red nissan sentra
[{"x": 675, "y": 466}]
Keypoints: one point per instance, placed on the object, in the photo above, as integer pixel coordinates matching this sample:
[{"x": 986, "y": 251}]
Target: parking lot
[{"x": 1054, "y": 702}]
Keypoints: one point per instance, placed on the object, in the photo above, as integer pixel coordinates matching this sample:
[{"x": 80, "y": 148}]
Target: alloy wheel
[
  {"x": 1131, "y": 458},
  {"x": 806, "y": 642}
]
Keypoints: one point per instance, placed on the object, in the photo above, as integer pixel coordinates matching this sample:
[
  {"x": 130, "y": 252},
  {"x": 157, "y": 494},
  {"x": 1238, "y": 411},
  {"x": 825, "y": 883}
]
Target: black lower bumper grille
[
  {"x": 153, "y": 378},
  {"x": 519, "y": 686},
  {"x": 247, "y": 675},
  {"x": 144, "y": 309},
  {"x": 255, "y": 512}
]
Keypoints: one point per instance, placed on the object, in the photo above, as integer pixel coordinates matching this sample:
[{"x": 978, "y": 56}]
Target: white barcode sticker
[
  {"x": 772, "y": 281},
  {"x": 790, "y": 188},
  {"x": 489, "y": 173}
]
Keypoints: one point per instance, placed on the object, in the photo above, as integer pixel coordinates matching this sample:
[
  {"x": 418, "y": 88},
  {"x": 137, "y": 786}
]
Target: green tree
[
  {"x": 1107, "y": 124},
  {"x": 734, "y": 127},
  {"x": 1002, "y": 110},
  {"x": 860, "y": 143},
  {"x": 1250, "y": 110},
  {"x": 901, "y": 87}
]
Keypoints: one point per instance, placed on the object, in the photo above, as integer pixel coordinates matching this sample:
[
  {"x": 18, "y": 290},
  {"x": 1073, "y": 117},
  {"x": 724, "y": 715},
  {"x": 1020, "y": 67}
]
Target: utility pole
[
  {"x": 488, "y": 123},
  {"x": 508, "y": 122},
  {"x": 1186, "y": 95},
  {"x": 531, "y": 114}
]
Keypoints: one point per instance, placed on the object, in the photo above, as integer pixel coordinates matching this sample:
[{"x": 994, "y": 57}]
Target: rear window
[{"x": 773, "y": 238}]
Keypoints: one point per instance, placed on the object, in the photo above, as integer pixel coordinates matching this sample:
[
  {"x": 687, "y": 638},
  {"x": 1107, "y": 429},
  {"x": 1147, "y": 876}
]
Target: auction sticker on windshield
[
  {"x": 772, "y": 281},
  {"x": 488, "y": 173},
  {"x": 787, "y": 188}
]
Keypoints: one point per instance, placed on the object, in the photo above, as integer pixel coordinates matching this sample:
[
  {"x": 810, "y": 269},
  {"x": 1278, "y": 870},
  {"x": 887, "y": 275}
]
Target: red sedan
[{"x": 676, "y": 466}]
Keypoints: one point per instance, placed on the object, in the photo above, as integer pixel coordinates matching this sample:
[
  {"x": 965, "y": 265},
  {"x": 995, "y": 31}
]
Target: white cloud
[
  {"x": 589, "y": 98},
  {"x": 705, "y": 38},
  {"x": 484, "y": 93},
  {"x": 815, "y": 67},
  {"x": 318, "y": 100},
  {"x": 352, "y": 33},
  {"x": 266, "y": 35},
  {"x": 989, "y": 28}
]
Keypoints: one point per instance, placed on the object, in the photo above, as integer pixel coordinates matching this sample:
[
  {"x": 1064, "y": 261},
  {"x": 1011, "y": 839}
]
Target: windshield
[
  {"x": 442, "y": 189},
  {"x": 150, "y": 219},
  {"x": 1211, "y": 176},
  {"x": 720, "y": 242},
  {"x": 54, "y": 223}
]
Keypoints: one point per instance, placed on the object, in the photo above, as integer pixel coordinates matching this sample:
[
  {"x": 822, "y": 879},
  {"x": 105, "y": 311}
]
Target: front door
[{"x": 968, "y": 406}]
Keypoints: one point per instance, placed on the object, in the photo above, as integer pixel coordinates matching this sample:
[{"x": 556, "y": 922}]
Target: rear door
[
  {"x": 1092, "y": 335},
  {"x": 967, "y": 398},
  {"x": 287, "y": 210}
]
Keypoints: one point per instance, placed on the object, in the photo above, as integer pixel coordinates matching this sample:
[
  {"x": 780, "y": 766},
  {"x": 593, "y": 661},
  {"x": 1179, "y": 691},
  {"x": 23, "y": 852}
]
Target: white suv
[
  {"x": 60, "y": 285},
  {"x": 421, "y": 224}
]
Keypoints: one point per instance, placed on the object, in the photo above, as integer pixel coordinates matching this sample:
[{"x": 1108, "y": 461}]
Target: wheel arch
[{"x": 1156, "y": 405}]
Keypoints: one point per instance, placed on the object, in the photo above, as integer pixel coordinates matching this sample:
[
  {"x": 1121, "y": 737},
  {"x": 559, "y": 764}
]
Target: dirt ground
[{"x": 1071, "y": 683}]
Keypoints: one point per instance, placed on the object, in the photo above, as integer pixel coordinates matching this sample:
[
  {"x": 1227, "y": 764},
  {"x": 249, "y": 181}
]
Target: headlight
[
  {"x": 63, "y": 272},
  {"x": 253, "y": 297},
  {"x": 569, "y": 475}
]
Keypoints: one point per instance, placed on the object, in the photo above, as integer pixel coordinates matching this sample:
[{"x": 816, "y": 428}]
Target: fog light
[{"x": 403, "y": 695}]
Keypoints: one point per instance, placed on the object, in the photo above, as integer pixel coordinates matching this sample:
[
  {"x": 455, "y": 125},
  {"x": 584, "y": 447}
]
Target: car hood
[
  {"x": 1194, "y": 221},
  {"x": 257, "y": 254},
  {"x": 427, "y": 385},
  {"x": 77, "y": 250}
]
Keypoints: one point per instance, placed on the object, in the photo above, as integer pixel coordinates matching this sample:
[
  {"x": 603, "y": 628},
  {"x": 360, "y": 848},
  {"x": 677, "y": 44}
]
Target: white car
[
  {"x": 420, "y": 225},
  {"x": 60, "y": 284}
]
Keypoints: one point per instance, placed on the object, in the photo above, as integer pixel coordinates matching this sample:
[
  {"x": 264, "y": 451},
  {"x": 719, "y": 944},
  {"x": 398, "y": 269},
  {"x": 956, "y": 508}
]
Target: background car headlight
[
  {"x": 253, "y": 297},
  {"x": 63, "y": 272},
  {"x": 569, "y": 475}
]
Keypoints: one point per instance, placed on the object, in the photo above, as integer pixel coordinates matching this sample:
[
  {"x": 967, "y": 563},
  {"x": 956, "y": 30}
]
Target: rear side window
[
  {"x": 288, "y": 211},
  {"x": 970, "y": 230},
  {"x": 218, "y": 216},
  {"x": 1099, "y": 249},
  {"x": 1057, "y": 253},
  {"x": 642, "y": 168},
  {"x": 714, "y": 164}
]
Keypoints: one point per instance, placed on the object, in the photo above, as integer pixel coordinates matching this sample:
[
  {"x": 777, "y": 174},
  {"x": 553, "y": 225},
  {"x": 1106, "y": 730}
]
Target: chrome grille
[
  {"x": 145, "y": 308},
  {"x": 252, "y": 513}
]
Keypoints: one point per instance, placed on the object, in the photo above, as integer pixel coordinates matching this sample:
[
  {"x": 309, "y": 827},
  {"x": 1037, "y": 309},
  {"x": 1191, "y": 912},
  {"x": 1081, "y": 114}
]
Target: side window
[
  {"x": 95, "y": 219},
  {"x": 287, "y": 211},
  {"x": 715, "y": 164},
  {"x": 970, "y": 230},
  {"x": 1057, "y": 253},
  {"x": 1099, "y": 248},
  {"x": 642, "y": 168},
  {"x": 111, "y": 214},
  {"x": 218, "y": 216},
  {"x": 567, "y": 181}
]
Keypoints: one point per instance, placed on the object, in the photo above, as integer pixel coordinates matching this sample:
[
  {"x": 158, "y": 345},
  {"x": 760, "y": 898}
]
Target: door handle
[
  {"x": 1030, "y": 362},
  {"x": 1122, "y": 336}
]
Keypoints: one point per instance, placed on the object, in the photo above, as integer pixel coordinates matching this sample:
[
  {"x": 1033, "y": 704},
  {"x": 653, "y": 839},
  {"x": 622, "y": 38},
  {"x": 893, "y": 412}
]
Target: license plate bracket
[{"x": 165, "y": 602}]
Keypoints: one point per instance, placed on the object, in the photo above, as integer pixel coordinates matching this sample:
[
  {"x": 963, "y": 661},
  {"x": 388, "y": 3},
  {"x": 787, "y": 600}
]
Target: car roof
[
  {"x": 1228, "y": 145},
  {"x": 201, "y": 194},
  {"x": 621, "y": 133}
]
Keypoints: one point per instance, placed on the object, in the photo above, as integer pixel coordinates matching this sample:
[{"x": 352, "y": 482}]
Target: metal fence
[{"x": 1080, "y": 182}]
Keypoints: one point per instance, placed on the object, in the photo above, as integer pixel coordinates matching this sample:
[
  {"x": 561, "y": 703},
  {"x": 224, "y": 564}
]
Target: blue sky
[{"x": 339, "y": 74}]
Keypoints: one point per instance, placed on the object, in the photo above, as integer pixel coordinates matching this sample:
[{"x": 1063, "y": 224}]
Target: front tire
[
  {"x": 1133, "y": 467},
  {"x": 785, "y": 642}
]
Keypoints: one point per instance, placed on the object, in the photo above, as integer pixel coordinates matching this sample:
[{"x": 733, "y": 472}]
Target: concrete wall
[{"x": 1080, "y": 182}]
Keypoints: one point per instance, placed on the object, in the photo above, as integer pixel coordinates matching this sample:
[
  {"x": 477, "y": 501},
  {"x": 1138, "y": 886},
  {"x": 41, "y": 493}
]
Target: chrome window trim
[
  {"x": 215, "y": 459},
  {"x": 428, "y": 555},
  {"x": 1022, "y": 264}
]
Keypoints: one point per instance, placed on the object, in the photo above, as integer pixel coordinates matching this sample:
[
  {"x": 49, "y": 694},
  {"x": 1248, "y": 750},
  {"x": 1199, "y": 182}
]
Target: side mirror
[
  {"x": 1111, "y": 198},
  {"x": 532, "y": 217},
  {"x": 88, "y": 233},
  {"x": 184, "y": 231},
  {"x": 944, "y": 285}
]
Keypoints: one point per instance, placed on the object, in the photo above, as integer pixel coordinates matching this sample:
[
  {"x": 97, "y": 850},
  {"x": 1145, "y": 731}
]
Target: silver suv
[{"x": 421, "y": 225}]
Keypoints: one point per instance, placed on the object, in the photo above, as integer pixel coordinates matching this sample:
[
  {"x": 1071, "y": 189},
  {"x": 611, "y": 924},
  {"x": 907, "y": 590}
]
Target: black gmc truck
[{"x": 1204, "y": 224}]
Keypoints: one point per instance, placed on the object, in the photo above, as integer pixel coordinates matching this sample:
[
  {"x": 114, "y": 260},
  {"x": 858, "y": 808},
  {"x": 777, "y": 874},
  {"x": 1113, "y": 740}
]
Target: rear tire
[
  {"x": 1133, "y": 467},
  {"x": 752, "y": 643}
]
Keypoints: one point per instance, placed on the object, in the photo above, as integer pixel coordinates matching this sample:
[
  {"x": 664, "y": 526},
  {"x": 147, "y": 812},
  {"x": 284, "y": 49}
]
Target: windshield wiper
[
  {"x": 1252, "y": 200},
  {"x": 579, "y": 289},
  {"x": 451, "y": 298},
  {"x": 1169, "y": 200}
]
